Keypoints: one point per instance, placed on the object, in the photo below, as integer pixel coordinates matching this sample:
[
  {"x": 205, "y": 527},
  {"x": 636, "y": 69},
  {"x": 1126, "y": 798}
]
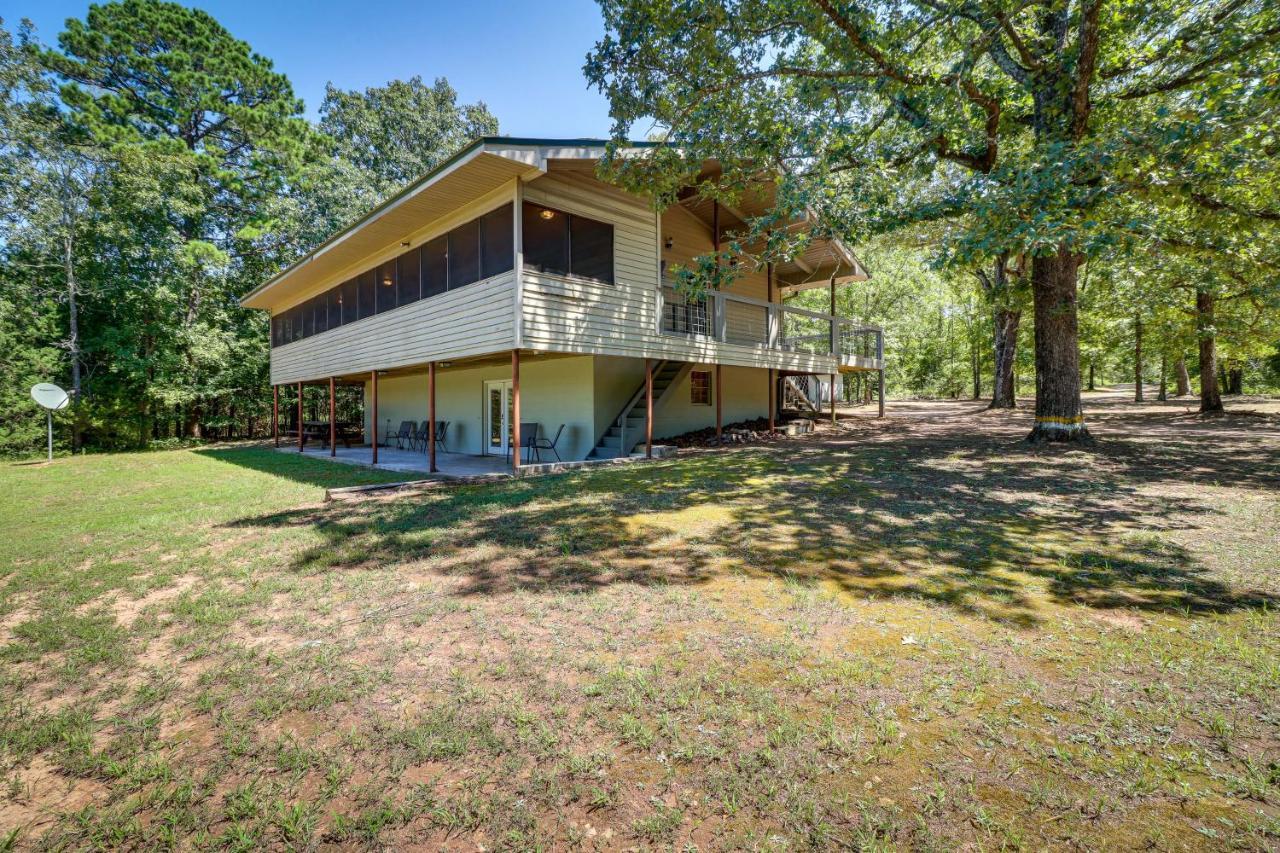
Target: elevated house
[{"x": 511, "y": 285}]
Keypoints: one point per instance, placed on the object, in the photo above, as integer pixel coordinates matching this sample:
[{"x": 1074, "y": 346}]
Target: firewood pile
[{"x": 743, "y": 432}]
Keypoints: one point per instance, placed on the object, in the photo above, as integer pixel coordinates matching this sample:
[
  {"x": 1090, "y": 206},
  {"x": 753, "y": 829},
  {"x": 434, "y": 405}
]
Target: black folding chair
[
  {"x": 528, "y": 433},
  {"x": 544, "y": 443},
  {"x": 405, "y": 434},
  {"x": 442, "y": 429}
]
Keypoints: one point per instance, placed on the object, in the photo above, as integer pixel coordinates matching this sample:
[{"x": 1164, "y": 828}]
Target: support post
[
  {"x": 719, "y": 407},
  {"x": 374, "y": 420},
  {"x": 881, "y": 394},
  {"x": 333, "y": 424},
  {"x": 49, "y": 430},
  {"x": 431, "y": 414},
  {"x": 648, "y": 408},
  {"x": 515, "y": 411},
  {"x": 300, "y": 431},
  {"x": 773, "y": 387},
  {"x": 833, "y": 399},
  {"x": 275, "y": 414}
]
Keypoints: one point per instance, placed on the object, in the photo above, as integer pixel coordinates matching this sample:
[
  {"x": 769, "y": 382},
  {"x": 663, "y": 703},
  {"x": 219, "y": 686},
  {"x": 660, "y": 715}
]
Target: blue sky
[{"x": 523, "y": 61}]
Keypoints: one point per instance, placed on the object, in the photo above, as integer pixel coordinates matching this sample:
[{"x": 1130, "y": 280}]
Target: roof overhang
[{"x": 482, "y": 167}]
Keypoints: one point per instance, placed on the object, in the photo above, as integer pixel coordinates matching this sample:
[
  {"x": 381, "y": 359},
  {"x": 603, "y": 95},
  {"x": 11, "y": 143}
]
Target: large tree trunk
[
  {"x": 1059, "y": 414},
  {"x": 1137, "y": 359},
  {"x": 1181, "y": 377},
  {"x": 73, "y": 339},
  {"x": 975, "y": 368},
  {"x": 1163, "y": 393},
  {"x": 1210, "y": 398},
  {"x": 1004, "y": 392},
  {"x": 1235, "y": 381}
]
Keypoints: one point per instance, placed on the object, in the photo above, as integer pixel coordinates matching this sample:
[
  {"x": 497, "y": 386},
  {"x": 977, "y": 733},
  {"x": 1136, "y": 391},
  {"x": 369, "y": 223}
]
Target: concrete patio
[{"x": 410, "y": 461}]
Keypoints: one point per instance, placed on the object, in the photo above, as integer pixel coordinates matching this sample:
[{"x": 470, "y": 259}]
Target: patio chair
[
  {"x": 404, "y": 434},
  {"x": 419, "y": 438},
  {"x": 544, "y": 443},
  {"x": 442, "y": 429},
  {"x": 528, "y": 435}
]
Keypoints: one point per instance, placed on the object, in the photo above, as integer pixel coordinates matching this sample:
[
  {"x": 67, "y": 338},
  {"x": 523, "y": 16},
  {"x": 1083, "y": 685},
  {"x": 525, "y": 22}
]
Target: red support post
[
  {"x": 374, "y": 420},
  {"x": 833, "y": 399},
  {"x": 301, "y": 433},
  {"x": 275, "y": 413},
  {"x": 333, "y": 425},
  {"x": 719, "y": 407},
  {"x": 431, "y": 414},
  {"x": 648, "y": 408},
  {"x": 515, "y": 411}
]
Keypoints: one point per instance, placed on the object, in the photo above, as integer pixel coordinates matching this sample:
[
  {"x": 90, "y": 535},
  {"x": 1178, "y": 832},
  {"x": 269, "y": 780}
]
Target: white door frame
[{"x": 487, "y": 447}]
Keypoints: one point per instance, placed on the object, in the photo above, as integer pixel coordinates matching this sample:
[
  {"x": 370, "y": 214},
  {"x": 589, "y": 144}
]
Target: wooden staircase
[
  {"x": 795, "y": 394},
  {"x": 627, "y": 429}
]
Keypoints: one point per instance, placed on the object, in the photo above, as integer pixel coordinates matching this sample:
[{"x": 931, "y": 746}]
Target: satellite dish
[{"x": 50, "y": 396}]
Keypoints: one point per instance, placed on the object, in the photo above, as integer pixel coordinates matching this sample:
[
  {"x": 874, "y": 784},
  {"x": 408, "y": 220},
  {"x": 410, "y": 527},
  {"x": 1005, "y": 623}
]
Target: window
[
  {"x": 567, "y": 244},
  {"x": 464, "y": 255},
  {"x": 591, "y": 249},
  {"x": 277, "y": 326},
  {"x": 320, "y": 306},
  {"x": 435, "y": 266},
  {"x": 308, "y": 310},
  {"x": 368, "y": 294},
  {"x": 349, "y": 296},
  {"x": 546, "y": 239},
  {"x": 408, "y": 288},
  {"x": 385, "y": 275},
  {"x": 335, "y": 307},
  {"x": 497, "y": 242},
  {"x": 700, "y": 387}
]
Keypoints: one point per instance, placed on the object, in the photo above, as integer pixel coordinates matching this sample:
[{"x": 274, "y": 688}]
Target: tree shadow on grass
[
  {"x": 300, "y": 468},
  {"x": 970, "y": 523}
]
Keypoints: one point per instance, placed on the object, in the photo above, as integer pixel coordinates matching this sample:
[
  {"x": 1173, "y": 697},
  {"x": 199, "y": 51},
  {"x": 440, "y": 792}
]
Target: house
[{"x": 512, "y": 285}]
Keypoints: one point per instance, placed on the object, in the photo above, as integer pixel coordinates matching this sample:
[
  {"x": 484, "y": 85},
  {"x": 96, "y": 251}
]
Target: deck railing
[{"x": 742, "y": 320}]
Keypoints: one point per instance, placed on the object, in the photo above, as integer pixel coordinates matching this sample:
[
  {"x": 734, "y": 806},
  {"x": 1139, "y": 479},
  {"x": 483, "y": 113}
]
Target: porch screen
[
  {"x": 470, "y": 252},
  {"x": 566, "y": 244}
]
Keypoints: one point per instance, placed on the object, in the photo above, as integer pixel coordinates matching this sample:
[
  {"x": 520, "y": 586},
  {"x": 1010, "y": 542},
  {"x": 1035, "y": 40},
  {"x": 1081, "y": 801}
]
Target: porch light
[
  {"x": 547, "y": 214},
  {"x": 386, "y": 281},
  {"x": 668, "y": 243}
]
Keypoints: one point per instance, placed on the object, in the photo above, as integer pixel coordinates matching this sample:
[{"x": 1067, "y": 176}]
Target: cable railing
[{"x": 742, "y": 320}]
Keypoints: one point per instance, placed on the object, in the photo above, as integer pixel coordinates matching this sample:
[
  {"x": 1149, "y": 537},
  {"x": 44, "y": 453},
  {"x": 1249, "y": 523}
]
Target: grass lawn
[{"x": 911, "y": 633}]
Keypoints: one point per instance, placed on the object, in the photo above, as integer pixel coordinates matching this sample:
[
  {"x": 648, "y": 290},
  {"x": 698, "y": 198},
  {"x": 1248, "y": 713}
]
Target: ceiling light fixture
[{"x": 547, "y": 214}]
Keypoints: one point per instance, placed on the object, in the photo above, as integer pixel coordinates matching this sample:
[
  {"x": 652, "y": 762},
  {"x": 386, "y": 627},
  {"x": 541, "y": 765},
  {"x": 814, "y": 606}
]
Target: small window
[
  {"x": 566, "y": 244},
  {"x": 349, "y": 296},
  {"x": 497, "y": 242},
  {"x": 408, "y": 288},
  {"x": 295, "y": 323},
  {"x": 546, "y": 239},
  {"x": 435, "y": 266},
  {"x": 276, "y": 327},
  {"x": 591, "y": 249},
  {"x": 385, "y": 275},
  {"x": 320, "y": 307},
  {"x": 368, "y": 294},
  {"x": 700, "y": 387},
  {"x": 308, "y": 310},
  {"x": 464, "y": 254},
  {"x": 334, "y": 304}
]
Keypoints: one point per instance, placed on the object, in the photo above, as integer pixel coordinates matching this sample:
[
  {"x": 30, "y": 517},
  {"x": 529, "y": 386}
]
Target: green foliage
[{"x": 152, "y": 169}]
